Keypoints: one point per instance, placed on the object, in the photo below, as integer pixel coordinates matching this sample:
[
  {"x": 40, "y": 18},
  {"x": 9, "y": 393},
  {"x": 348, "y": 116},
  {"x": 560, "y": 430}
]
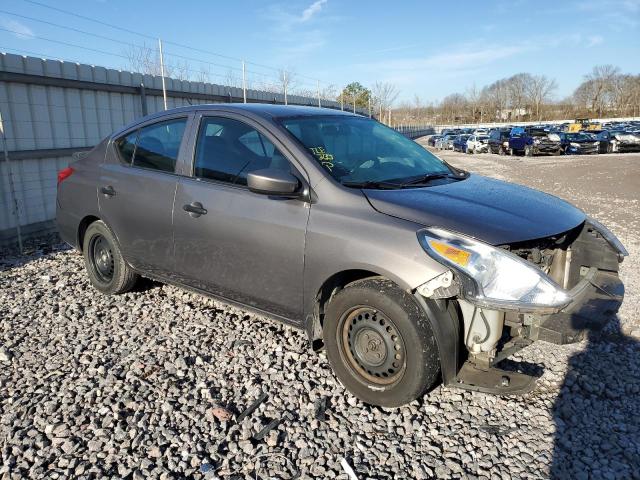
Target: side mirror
[{"x": 271, "y": 181}]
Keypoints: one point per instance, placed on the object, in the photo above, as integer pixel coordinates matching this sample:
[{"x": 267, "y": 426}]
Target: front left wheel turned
[
  {"x": 106, "y": 268},
  {"x": 380, "y": 343}
]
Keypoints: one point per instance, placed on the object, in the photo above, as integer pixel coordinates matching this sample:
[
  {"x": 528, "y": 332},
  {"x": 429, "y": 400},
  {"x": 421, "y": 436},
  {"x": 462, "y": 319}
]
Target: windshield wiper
[
  {"x": 373, "y": 184},
  {"x": 426, "y": 178}
]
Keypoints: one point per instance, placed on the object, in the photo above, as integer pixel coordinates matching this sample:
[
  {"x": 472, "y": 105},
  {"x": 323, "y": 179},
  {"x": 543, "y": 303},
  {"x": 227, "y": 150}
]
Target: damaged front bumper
[
  {"x": 594, "y": 300},
  {"x": 586, "y": 267}
]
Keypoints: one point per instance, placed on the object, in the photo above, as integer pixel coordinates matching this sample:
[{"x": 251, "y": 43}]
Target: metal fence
[{"x": 53, "y": 109}]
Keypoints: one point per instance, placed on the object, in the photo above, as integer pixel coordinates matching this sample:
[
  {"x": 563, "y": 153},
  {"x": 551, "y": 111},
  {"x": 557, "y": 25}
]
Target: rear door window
[{"x": 158, "y": 145}]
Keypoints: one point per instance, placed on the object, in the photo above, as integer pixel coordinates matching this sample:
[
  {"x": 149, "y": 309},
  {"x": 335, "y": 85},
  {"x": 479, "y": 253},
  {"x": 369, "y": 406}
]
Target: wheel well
[
  {"x": 82, "y": 228},
  {"x": 329, "y": 288}
]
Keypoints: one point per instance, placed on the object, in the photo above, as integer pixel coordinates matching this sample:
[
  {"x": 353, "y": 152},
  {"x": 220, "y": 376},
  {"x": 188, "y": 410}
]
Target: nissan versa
[{"x": 406, "y": 270}]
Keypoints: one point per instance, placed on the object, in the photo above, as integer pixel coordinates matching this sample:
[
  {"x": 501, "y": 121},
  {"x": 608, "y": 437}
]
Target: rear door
[
  {"x": 240, "y": 245},
  {"x": 136, "y": 191}
]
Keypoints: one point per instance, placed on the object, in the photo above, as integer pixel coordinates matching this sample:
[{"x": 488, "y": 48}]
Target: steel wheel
[
  {"x": 372, "y": 346},
  {"x": 102, "y": 259}
]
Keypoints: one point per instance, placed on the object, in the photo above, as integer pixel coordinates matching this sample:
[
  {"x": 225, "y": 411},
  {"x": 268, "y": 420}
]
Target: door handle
[
  {"x": 195, "y": 209},
  {"x": 108, "y": 191}
]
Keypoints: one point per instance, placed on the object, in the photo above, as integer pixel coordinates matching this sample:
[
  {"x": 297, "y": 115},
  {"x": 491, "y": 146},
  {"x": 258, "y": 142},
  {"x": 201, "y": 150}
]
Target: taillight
[{"x": 64, "y": 174}]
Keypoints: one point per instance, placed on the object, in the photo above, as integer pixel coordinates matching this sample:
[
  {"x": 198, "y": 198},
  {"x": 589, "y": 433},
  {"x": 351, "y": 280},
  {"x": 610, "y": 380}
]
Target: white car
[
  {"x": 481, "y": 131},
  {"x": 478, "y": 143}
]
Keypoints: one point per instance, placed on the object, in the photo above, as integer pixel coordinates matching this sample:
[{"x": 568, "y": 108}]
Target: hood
[{"x": 490, "y": 210}]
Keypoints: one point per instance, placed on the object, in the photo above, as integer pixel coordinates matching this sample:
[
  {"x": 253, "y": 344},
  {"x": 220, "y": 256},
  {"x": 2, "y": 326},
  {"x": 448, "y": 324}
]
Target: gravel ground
[{"x": 142, "y": 385}]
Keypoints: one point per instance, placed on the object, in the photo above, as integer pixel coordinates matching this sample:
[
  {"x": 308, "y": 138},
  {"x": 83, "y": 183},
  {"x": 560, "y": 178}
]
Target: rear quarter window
[{"x": 126, "y": 146}]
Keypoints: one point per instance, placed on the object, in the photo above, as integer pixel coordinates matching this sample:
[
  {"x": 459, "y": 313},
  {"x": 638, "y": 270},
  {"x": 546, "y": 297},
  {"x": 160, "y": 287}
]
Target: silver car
[{"x": 406, "y": 270}]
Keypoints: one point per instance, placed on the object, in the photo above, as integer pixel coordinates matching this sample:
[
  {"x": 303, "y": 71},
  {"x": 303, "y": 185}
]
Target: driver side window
[{"x": 227, "y": 150}]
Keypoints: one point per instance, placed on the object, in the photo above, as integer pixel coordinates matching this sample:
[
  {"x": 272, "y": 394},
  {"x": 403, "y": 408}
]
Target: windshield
[{"x": 356, "y": 149}]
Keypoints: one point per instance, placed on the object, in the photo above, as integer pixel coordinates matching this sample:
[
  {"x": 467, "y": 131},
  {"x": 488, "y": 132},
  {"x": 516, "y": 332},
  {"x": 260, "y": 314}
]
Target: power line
[
  {"x": 133, "y": 32},
  {"x": 60, "y": 42}
]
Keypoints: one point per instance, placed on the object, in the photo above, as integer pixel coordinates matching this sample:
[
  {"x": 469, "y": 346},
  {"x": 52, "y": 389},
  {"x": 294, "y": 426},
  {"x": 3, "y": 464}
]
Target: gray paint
[{"x": 273, "y": 254}]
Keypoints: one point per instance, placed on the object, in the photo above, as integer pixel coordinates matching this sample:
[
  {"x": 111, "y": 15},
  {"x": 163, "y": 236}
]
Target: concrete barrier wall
[{"x": 50, "y": 108}]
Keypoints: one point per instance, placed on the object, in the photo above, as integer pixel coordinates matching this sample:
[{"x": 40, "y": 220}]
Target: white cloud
[
  {"x": 19, "y": 30},
  {"x": 594, "y": 40},
  {"x": 312, "y": 9}
]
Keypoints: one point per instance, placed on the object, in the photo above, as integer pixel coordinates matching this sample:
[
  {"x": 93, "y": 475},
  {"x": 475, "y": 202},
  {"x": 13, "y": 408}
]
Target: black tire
[
  {"x": 107, "y": 270},
  {"x": 365, "y": 322},
  {"x": 501, "y": 151}
]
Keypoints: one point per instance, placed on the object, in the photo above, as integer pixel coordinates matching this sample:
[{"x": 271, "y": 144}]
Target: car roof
[
  {"x": 264, "y": 110},
  {"x": 261, "y": 109}
]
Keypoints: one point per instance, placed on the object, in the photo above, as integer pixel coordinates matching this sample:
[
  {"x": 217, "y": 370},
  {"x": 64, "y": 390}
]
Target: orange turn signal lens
[{"x": 456, "y": 255}]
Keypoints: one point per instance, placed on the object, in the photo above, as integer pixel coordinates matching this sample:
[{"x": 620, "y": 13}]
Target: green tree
[{"x": 355, "y": 91}]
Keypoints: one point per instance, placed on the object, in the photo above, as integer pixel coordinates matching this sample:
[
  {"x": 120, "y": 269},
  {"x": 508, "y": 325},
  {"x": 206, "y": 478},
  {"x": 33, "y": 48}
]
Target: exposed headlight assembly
[
  {"x": 493, "y": 277},
  {"x": 575, "y": 144}
]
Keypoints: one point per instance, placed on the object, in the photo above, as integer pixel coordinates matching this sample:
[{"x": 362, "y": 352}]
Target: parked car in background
[
  {"x": 578, "y": 143},
  {"x": 460, "y": 143},
  {"x": 530, "y": 141},
  {"x": 481, "y": 131},
  {"x": 431, "y": 141},
  {"x": 619, "y": 141},
  {"x": 445, "y": 142},
  {"x": 499, "y": 140},
  {"x": 478, "y": 143},
  {"x": 406, "y": 270}
]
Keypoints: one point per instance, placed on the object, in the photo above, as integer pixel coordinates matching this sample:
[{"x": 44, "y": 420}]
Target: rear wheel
[
  {"x": 106, "y": 268},
  {"x": 380, "y": 343}
]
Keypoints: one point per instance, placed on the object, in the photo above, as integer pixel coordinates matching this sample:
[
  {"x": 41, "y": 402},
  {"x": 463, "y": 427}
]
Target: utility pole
[
  {"x": 164, "y": 88},
  {"x": 244, "y": 83},
  {"x": 12, "y": 188},
  {"x": 284, "y": 81}
]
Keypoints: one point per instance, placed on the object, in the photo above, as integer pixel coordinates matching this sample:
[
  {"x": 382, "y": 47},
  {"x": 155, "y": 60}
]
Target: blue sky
[{"x": 428, "y": 49}]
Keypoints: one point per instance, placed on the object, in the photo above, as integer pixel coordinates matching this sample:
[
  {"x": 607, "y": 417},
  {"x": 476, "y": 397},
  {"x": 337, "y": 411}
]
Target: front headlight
[
  {"x": 493, "y": 277},
  {"x": 575, "y": 144},
  {"x": 536, "y": 140}
]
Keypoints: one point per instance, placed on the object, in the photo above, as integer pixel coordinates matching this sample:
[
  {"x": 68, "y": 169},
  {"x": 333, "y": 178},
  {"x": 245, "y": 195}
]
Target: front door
[
  {"x": 136, "y": 190},
  {"x": 237, "y": 244}
]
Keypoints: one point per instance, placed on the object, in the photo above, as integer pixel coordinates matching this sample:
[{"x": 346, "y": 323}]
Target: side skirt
[{"x": 257, "y": 311}]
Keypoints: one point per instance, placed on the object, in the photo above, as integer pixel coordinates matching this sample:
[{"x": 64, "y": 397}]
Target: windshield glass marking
[{"x": 356, "y": 150}]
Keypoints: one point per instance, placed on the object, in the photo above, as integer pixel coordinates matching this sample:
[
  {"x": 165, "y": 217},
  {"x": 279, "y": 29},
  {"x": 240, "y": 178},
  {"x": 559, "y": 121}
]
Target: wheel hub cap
[{"x": 372, "y": 346}]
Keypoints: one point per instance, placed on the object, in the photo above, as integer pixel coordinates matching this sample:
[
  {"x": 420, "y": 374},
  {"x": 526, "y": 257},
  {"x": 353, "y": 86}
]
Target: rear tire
[
  {"x": 106, "y": 268},
  {"x": 380, "y": 343}
]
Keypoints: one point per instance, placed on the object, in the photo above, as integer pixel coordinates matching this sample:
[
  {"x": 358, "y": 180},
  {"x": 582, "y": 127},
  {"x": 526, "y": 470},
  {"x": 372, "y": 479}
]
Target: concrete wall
[{"x": 45, "y": 116}]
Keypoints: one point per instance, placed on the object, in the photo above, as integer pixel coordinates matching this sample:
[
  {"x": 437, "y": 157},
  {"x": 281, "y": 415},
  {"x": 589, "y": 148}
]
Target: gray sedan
[{"x": 407, "y": 270}]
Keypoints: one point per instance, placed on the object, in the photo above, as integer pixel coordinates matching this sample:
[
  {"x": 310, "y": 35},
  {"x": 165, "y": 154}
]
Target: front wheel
[
  {"x": 106, "y": 268},
  {"x": 380, "y": 343}
]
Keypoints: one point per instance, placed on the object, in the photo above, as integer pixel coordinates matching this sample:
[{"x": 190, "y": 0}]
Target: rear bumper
[
  {"x": 594, "y": 300},
  {"x": 67, "y": 226}
]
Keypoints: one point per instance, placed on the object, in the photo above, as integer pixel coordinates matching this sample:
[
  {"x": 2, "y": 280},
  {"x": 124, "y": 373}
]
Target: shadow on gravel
[
  {"x": 11, "y": 258},
  {"x": 597, "y": 412}
]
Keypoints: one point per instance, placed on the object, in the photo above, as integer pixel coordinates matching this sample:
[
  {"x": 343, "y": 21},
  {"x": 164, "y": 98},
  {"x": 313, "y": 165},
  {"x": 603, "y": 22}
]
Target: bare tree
[
  {"x": 597, "y": 88},
  {"x": 539, "y": 89},
  {"x": 384, "y": 94},
  {"x": 517, "y": 87}
]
